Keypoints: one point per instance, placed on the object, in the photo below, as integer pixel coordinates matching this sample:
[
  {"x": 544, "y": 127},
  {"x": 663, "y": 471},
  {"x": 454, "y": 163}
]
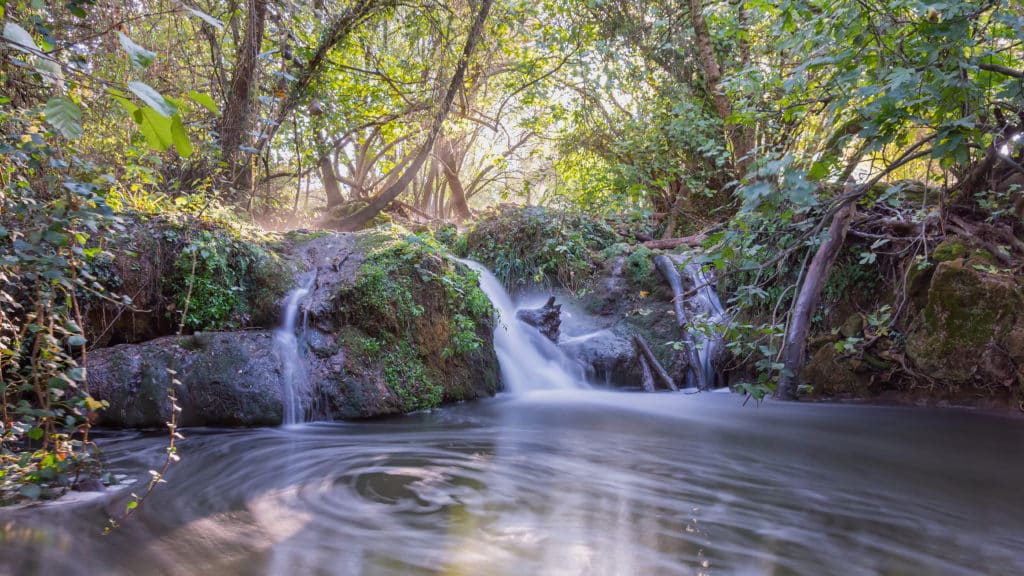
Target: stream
[{"x": 561, "y": 482}]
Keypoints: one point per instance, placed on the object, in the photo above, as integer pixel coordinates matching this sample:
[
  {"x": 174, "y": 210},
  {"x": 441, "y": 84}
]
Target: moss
[
  {"x": 949, "y": 249},
  {"x": 617, "y": 249},
  {"x": 967, "y": 309},
  {"x": 424, "y": 313}
]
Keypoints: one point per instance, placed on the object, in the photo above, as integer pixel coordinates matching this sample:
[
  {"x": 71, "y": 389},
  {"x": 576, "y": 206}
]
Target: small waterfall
[
  {"x": 294, "y": 375},
  {"x": 528, "y": 360},
  {"x": 707, "y": 307}
]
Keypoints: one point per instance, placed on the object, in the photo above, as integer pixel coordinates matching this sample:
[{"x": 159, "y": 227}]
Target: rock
[
  {"x": 833, "y": 375},
  {"x": 969, "y": 313},
  {"x": 546, "y": 318},
  {"x": 611, "y": 356},
  {"x": 227, "y": 378},
  {"x": 852, "y": 327}
]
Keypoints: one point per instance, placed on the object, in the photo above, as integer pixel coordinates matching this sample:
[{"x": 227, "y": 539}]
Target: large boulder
[
  {"x": 972, "y": 328},
  {"x": 227, "y": 378},
  {"x": 391, "y": 325}
]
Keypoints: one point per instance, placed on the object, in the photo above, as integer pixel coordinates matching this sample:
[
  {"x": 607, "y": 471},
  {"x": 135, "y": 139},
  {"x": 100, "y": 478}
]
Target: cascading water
[
  {"x": 294, "y": 375},
  {"x": 528, "y": 360},
  {"x": 708, "y": 308}
]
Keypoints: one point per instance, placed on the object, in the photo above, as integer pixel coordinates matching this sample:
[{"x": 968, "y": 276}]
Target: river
[{"x": 562, "y": 482}]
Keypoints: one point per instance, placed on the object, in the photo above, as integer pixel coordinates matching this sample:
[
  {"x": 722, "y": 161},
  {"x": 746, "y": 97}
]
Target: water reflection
[{"x": 566, "y": 482}]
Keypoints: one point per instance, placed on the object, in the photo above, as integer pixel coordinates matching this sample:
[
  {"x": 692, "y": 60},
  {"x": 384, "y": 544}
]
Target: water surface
[{"x": 563, "y": 482}]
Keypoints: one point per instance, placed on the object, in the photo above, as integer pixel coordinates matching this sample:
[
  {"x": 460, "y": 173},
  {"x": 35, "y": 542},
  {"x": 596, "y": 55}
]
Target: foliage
[
  {"x": 537, "y": 246},
  {"x": 51, "y": 224},
  {"x": 406, "y": 376}
]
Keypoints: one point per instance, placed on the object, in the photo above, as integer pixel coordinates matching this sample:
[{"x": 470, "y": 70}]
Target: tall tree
[
  {"x": 239, "y": 104},
  {"x": 361, "y": 217}
]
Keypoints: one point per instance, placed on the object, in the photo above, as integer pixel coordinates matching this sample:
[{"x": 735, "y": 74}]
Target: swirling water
[{"x": 563, "y": 482}]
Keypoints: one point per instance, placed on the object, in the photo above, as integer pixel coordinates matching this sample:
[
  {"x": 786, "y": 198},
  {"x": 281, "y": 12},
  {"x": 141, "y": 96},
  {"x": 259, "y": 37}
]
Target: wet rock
[
  {"x": 546, "y": 318},
  {"x": 227, "y": 378},
  {"x": 611, "y": 356}
]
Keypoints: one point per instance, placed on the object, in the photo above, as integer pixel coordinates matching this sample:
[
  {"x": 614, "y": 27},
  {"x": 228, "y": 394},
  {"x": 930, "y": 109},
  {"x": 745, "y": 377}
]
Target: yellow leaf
[{"x": 644, "y": 293}]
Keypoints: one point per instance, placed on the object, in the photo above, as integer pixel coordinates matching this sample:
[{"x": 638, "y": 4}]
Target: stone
[{"x": 968, "y": 312}]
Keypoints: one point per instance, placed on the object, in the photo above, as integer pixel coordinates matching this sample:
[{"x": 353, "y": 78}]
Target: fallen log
[
  {"x": 646, "y": 353},
  {"x": 670, "y": 243}
]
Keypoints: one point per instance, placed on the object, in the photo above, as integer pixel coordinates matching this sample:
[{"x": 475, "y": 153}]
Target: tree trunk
[
  {"x": 794, "y": 349},
  {"x": 331, "y": 188},
  {"x": 446, "y": 157},
  {"x": 360, "y": 218},
  {"x": 738, "y": 135},
  {"x": 336, "y": 31},
  {"x": 238, "y": 107}
]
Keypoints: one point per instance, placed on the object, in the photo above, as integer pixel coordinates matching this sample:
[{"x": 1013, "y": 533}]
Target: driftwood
[
  {"x": 652, "y": 362},
  {"x": 647, "y": 379},
  {"x": 670, "y": 243},
  {"x": 547, "y": 318}
]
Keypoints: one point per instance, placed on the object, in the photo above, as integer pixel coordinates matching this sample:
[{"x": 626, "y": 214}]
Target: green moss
[
  {"x": 949, "y": 249},
  {"x": 967, "y": 309},
  {"x": 233, "y": 281},
  {"x": 419, "y": 309}
]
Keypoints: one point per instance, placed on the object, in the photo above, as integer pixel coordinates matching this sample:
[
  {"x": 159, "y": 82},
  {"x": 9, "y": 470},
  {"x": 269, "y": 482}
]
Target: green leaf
[
  {"x": 139, "y": 56},
  {"x": 132, "y": 505},
  {"x": 180, "y": 137},
  {"x": 205, "y": 17},
  {"x": 51, "y": 73},
  {"x": 76, "y": 340},
  {"x": 150, "y": 96},
  {"x": 35, "y": 433},
  {"x": 205, "y": 100},
  {"x": 20, "y": 39},
  {"x": 65, "y": 116},
  {"x": 155, "y": 128}
]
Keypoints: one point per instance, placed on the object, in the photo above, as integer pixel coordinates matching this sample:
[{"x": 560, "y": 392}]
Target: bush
[{"x": 527, "y": 246}]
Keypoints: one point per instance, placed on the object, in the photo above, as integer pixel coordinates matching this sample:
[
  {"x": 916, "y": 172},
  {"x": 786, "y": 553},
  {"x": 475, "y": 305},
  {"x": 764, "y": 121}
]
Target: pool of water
[{"x": 562, "y": 482}]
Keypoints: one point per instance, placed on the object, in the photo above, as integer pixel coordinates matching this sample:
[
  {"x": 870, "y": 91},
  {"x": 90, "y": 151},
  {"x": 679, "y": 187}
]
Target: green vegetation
[{"x": 538, "y": 246}]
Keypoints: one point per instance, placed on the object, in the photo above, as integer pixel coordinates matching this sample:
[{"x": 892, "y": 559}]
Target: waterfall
[
  {"x": 528, "y": 360},
  {"x": 294, "y": 376},
  {"x": 707, "y": 307}
]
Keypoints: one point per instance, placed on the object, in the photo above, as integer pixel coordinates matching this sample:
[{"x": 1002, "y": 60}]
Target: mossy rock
[
  {"x": 950, "y": 249},
  {"x": 831, "y": 374},
  {"x": 967, "y": 311}
]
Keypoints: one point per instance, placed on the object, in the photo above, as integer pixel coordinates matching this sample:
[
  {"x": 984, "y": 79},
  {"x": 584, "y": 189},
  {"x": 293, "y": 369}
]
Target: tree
[{"x": 361, "y": 217}]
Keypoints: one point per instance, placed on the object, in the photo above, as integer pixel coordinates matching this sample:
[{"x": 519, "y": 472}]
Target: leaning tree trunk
[
  {"x": 446, "y": 156},
  {"x": 794, "y": 348},
  {"x": 238, "y": 107},
  {"x": 360, "y": 218},
  {"x": 331, "y": 188}
]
